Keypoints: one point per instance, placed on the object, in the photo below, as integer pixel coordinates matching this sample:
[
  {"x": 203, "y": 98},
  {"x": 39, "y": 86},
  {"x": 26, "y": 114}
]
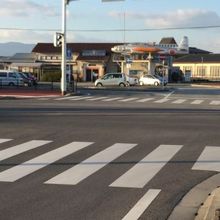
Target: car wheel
[
  {"x": 141, "y": 83},
  {"x": 11, "y": 84},
  {"x": 99, "y": 85},
  {"x": 156, "y": 84},
  {"x": 122, "y": 85}
]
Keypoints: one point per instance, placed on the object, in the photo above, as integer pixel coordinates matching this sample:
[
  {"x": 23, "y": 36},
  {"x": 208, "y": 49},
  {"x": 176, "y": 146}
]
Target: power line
[{"x": 114, "y": 30}]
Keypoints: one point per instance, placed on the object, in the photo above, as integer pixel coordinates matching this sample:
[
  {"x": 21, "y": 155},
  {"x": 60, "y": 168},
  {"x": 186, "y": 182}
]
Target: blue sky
[{"x": 93, "y": 14}]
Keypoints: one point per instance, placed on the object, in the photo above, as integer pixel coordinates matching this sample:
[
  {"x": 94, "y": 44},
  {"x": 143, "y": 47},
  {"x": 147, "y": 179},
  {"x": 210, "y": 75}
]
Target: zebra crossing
[
  {"x": 135, "y": 177},
  {"x": 152, "y": 100}
]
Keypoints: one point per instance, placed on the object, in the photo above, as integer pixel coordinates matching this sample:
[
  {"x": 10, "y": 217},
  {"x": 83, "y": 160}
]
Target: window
[
  {"x": 201, "y": 71},
  {"x": 3, "y": 74},
  {"x": 12, "y": 75},
  {"x": 215, "y": 71},
  {"x": 117, "y": 75}
]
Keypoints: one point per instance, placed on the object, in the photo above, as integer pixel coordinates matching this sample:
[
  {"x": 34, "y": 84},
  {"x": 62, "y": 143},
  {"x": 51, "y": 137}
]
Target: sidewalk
[
  {"x": 201, "y": 203},
  {"x": 28, "y": 93}
]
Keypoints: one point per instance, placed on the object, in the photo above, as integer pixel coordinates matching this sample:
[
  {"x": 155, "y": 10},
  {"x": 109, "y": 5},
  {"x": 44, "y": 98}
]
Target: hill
[{"x": 10, "y": 48}]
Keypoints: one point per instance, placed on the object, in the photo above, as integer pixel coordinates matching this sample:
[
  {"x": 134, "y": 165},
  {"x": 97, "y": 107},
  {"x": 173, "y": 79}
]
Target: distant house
[
  {"x": 22, "y": 62},
  {"x": 168, "y": 42},
  {"x": 199, "y": 66}
]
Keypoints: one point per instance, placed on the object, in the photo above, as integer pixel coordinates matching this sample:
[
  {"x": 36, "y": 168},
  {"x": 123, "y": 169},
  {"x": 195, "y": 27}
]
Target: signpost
[{"x": 63, "y": 34}]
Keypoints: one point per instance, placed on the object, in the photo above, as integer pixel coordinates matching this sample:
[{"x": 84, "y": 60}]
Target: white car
[{"x": 149, "y": 80}]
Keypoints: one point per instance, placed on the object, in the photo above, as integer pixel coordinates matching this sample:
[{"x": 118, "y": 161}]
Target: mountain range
[{"x": 11, "y": 48}]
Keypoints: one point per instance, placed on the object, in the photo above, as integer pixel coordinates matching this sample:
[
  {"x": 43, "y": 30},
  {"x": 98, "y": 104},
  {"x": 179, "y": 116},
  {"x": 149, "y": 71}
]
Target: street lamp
[{"x": 63, "y": 64}]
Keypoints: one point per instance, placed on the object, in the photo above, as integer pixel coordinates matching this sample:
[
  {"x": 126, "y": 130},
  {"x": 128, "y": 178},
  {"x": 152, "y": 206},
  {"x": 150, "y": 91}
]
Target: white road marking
[
  {"x": 179, "y": 101},
  {"x": 215, "y": 103},
  {"x": 208, "y": 160},
  {"x": 112, "y": 99},
  {"x": 21, "y": 148},
  {"x": 89, "y": 166},
  {"x": 4, "y": 140},
  {"x": 166, "y": 97},
  {"x": 128, "y": 99},
  {"x": 80, "y": 98},
  {"x": 140, "y": 174},
  {"x": 67, "y": 97},
  {"x": 144, "y": 100},
  {"x": 97, "y": 98},
  {"x": 142, "y": 205},
  {"x": 39, "y": 162},
  {"x": 197, "y": 102},
  {"x": 162, "y": 100}
]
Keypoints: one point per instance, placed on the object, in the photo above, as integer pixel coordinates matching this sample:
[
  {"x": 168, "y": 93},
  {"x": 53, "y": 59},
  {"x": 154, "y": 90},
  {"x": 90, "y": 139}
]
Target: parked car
[
  {"x": 163, "y": 80},
  {"x": 10, "y": 78},
  {"x": 113, "y": 79},
  {"x": 132, "y": 81},
  {"x": 27, "y": 82},
  {"x": 31, "y": 77},
  {"x": 149, "y": 80}
]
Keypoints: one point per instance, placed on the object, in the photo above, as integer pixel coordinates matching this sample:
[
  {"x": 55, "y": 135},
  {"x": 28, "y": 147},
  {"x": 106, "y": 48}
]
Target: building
[
  {"x": 199, "y": 66},
  {"x": 84, "y": 60}
]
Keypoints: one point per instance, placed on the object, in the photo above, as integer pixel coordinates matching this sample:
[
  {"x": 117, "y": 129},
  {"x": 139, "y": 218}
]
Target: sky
[{"x": 33, "y": 21}]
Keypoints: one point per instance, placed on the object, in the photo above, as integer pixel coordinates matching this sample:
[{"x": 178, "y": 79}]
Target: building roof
[
  {"x": 194, "y": 50},
  {"x": 168, "y": 40},
  {"x": 199, "y": 58},
  {"x": 74, "y": 47}
]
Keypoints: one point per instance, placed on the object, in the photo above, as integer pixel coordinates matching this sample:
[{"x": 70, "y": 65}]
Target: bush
[{"x": 51, "y": 77}]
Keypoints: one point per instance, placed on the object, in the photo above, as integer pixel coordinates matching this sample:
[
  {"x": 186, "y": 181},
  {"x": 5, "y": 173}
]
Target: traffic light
[{"x": 58, "y": 38}]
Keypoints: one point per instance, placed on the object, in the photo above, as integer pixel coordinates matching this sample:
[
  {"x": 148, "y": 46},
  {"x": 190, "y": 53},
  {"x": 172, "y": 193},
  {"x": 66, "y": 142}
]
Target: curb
[
  {"x": 189, "y": 207},
  {"x": 210, "y": 210}
]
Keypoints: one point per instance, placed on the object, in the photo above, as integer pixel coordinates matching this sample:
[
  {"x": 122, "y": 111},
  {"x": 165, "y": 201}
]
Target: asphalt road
[{"x": 130, "y": 152}]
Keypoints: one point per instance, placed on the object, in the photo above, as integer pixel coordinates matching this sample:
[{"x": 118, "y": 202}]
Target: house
[{"x": 199, "y": 66}]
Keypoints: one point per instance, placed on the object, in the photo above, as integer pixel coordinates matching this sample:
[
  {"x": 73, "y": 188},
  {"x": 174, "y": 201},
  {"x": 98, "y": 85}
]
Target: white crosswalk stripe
[
  {"x": 4, "y": 140},
  {"x": 80, "y": 98},
  {"x": 162, "y": 101},
  {"x": 145, "y": 100},
  {"x": 89, "y": 166},
  {"x": 139, "y": 175},
  {"x": 112, "y": 99},
  {"x": 128, "y": 99},
  {"x": 97, "y": 98},
  {"x": 215, "y": 103},
  {"x": 209, "y": 159},
  {"x": 39, "y": 162},
  {"x": 21, "y": 148},
  {"x": 179, "y": 101},
  {"x": 197, "y": 102},
  {"x": 142, "y": 205}
]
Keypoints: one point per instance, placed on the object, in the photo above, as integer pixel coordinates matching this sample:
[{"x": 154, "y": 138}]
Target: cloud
[
  {"x": 25, "y": 36},
  {"x": 24, "y": 8},
  {"x": 176, "y": 18},
  {"x": 183, "y": 18}
]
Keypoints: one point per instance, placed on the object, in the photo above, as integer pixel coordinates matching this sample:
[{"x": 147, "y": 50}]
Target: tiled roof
[
  {"x": 199, "y": 58},
  {"x": 74, "y": 47},
  {"x": 168, "y": 40},
  {"x": 194, "y": 50}
]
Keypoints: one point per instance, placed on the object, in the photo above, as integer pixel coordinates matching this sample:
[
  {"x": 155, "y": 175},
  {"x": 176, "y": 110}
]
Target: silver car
[
  {"x": 112, "y": 79},
  {"x": 10, "y": 78}
]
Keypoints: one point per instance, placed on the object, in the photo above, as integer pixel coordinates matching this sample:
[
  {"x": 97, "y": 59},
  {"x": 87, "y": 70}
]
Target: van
[{"x": 10, "y": 78}]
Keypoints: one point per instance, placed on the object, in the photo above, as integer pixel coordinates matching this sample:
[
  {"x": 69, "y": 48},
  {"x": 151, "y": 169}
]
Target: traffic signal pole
[{"x": 63, "y": 64}]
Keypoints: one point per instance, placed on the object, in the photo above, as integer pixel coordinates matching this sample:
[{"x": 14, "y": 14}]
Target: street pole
[{"x": 63, "y": 65}]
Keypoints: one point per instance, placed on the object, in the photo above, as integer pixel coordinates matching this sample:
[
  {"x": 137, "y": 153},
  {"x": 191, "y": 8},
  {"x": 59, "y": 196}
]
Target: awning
[{"x": 26, "y": 65}]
